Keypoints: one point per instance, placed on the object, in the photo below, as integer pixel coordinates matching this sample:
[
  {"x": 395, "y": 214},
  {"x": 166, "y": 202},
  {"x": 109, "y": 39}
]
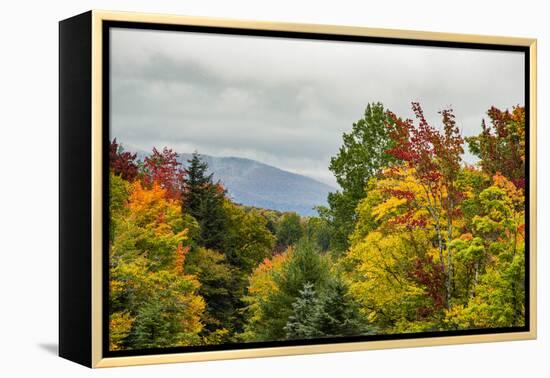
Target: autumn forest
[{"x": 415, "y": 240}]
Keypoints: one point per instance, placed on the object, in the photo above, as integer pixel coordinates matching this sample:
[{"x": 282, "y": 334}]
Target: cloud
[{"x": 286, "y": 102}]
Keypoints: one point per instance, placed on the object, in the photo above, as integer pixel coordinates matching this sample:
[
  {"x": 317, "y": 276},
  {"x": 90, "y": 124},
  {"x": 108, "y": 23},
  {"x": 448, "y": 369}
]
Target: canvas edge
[
  {"x": 533, "y": 187},
  {"x": 98, "y": 16},
  {"x": 97, "y": 189},
  {"x": 74, "y": 274}
]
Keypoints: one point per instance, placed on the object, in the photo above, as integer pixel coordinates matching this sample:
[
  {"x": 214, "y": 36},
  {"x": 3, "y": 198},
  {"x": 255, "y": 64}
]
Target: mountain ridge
[{"x": 253, "y": 183}]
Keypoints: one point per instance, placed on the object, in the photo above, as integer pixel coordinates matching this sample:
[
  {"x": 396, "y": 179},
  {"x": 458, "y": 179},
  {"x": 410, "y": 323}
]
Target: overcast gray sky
[{"x": 286, "y": 102}]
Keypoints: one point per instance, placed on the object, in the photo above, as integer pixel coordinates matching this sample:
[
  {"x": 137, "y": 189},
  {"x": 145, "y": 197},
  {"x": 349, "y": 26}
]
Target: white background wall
[{"x": 28, "y": 199}]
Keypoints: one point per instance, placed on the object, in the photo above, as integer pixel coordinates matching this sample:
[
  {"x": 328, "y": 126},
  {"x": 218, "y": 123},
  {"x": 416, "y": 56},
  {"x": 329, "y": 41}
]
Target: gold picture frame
[{"x": 82, "y": 291}]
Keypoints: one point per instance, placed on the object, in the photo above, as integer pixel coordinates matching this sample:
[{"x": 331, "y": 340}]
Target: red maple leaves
[
  {"x": 121, "y": 162},
  {"x": 160, "y": 167},
  {"x": 431, "y": 275},
  {"x": 163, "y": 168},
  {"x": 432, "y": 153}
]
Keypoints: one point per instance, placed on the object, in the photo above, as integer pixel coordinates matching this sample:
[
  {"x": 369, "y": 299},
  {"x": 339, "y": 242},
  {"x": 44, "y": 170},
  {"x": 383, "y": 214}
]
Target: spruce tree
[
  {"x": 330, "y": 313},
  {"x": 196, "y": 179},
  {"x": 302, "y": 323},
  {"x": 203, "y": 199},
  {"x": 307, "y": 266},
  {"x": 338, "y": 314}
]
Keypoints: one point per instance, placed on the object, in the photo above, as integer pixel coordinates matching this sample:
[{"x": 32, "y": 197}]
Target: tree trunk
[{"x": 449, "y": 261}]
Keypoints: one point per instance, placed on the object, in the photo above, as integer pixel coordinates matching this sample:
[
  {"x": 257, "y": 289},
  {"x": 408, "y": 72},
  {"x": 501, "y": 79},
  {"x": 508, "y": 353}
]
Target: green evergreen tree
[
  {"x": 307, "y": 265},
  {"x": 203, "y": 199},
  {"x": 338, "y": 313},
  {"x": 153, "y": 328},
  {"x": 332, "y": 312},
  {"x": 302, "y": 323}
]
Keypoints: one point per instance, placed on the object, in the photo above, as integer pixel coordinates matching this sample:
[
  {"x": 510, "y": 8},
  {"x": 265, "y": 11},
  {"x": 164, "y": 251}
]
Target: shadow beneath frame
[{"x": 51, "y": 348}]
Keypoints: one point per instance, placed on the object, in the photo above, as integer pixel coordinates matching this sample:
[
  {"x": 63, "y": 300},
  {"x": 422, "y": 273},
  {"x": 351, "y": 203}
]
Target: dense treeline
[{"x": 416, "y": 240}]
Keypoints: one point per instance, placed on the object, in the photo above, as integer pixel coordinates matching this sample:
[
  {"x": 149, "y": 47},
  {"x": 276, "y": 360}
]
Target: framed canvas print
[{"x": 235, "y": 189}]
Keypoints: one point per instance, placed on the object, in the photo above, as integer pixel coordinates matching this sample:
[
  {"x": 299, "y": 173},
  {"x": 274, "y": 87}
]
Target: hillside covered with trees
[{"x": 416, "y": 240}]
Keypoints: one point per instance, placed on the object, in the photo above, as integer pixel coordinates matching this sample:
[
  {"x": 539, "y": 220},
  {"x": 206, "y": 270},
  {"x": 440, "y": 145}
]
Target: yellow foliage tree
[{"x": 153, "y": 303}]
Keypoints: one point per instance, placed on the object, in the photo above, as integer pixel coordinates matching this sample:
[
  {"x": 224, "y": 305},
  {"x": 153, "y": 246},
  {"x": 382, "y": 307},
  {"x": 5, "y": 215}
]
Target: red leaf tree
[
  {"x": 163, "y": 168},
  {"x": 435, "y": 156},
  {"x": 122, "y": 163},
  {"x": 501, "y": 145}
]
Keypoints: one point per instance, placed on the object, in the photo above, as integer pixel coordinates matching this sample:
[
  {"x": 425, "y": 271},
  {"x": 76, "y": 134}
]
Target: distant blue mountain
[{"x": 249, "y": 182}]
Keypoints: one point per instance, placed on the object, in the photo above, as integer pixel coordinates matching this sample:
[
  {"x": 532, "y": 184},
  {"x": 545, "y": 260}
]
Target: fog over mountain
[
  {"x": 286, "y": 102},
  {"x": 249, "y": 182}
]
